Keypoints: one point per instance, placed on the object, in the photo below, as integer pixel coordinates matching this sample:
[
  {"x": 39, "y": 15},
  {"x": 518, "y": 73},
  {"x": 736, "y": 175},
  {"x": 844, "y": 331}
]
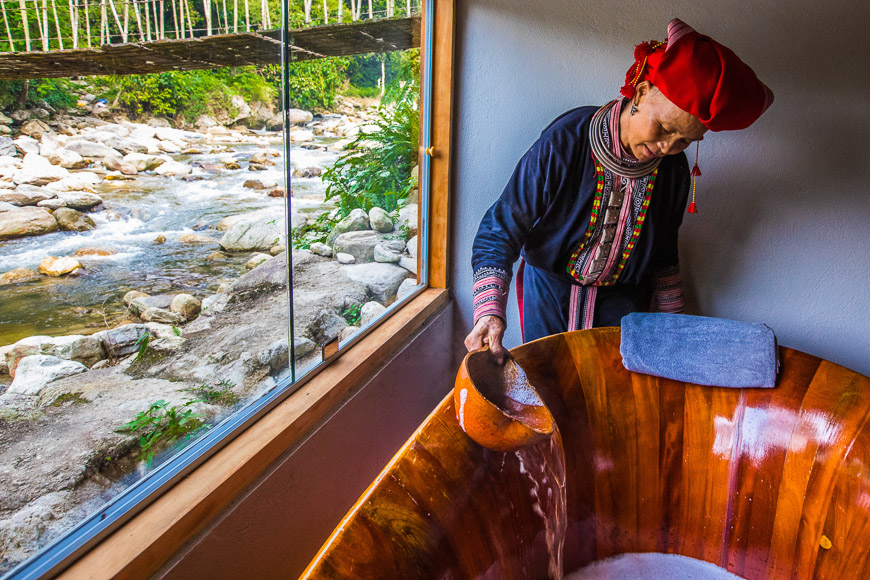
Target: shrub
[
  {"x": 376, "y": 169},
  {"x": 161, "y": 425}
]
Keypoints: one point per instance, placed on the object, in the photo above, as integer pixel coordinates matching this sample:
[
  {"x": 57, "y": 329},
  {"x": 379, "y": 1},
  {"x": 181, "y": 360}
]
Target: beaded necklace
[{"x": 628, "y": 168}]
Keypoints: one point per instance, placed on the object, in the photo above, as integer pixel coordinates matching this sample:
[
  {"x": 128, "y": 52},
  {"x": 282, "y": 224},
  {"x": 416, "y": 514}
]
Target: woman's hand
[{"x": 488, "y": 330}]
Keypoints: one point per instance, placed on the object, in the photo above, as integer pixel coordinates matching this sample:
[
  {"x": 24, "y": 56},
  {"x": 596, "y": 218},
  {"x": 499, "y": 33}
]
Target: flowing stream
[{"x": 134, "y": 213}]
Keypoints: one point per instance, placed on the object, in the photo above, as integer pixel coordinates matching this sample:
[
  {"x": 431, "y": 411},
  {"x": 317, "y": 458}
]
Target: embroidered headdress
[{"x": 702, "y": 77}]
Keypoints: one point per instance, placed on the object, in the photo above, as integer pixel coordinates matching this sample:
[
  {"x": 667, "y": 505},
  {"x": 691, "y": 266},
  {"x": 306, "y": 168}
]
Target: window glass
[{"x": 155, "y": 199}]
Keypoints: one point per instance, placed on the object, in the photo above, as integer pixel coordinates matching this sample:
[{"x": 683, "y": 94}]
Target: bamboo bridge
[{"x": 99, "y": 37}]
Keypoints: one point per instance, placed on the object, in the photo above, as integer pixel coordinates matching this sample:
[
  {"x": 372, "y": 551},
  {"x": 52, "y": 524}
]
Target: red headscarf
[{"x": 700, "y": 76}]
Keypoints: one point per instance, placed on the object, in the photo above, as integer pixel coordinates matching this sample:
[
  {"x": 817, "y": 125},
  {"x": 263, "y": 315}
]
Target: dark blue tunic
[{"x": 542, "y": 215}]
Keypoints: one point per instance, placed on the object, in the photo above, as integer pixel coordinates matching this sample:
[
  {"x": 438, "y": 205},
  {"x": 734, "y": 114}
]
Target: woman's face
[{"x": 658, "y": 127}]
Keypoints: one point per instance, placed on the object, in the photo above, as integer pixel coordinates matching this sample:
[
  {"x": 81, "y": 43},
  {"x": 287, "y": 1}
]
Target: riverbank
[{"x": 175, "y": 291}]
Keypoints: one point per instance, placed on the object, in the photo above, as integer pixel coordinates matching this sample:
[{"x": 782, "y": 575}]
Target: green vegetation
[
  {"x": 161, "y": 425},
  {"x": 352, "y": 314},
  {"x": 142, "y": 344},
  {"x": 219, "y": 394},
  {"x": 55, "y": 92},
  {"x": 376, "y": 169},
  {"x": 188, "y": 94}
]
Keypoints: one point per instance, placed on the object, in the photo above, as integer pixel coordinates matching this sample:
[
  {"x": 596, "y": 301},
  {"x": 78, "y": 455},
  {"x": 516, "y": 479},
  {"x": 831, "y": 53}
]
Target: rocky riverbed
[{"x": 139, "y": 263}]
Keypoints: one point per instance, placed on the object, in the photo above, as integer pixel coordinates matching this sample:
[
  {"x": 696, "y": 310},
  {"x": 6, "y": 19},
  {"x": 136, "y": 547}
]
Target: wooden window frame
[{"x": 145, "y": 543}]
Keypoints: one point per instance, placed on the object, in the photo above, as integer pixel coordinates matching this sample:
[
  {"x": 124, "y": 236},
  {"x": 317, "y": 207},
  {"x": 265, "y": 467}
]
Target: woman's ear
[{"x": 641, "y": 91}]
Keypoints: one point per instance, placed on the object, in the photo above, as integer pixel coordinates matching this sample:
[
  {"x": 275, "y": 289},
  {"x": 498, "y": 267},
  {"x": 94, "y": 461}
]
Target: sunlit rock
[
  {"x": 26, "y": 221},
  {"x": 53, "y": 266}
]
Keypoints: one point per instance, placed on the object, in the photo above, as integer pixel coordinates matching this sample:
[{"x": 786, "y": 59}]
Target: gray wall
[
  {"x": 782, "y": 233},
  {"x": 276, "y": 527}
]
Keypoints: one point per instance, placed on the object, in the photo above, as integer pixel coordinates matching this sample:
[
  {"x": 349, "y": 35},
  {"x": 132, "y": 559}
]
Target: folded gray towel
[{"x": 700, "y": 350}]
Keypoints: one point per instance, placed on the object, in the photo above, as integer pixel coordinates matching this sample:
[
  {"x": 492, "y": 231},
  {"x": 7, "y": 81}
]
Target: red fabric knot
[
  {"x": 693, "y": 208},
  {"x": 696, "y": 172}
]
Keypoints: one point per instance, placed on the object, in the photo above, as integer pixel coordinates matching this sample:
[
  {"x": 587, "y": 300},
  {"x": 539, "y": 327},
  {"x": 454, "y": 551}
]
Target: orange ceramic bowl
[{"x": 497, "y": 406}]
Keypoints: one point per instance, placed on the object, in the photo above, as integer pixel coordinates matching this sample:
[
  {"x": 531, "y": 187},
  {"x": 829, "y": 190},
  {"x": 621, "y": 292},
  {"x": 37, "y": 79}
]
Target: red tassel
[
  {"x": 696, "y": 172},
  {"x": 693, "y": 208}
]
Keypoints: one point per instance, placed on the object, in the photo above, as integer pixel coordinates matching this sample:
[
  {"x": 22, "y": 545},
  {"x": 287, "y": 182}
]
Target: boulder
[
  {"x": 140, "y": 304},
  {"x": 408, "y": 218},
  {"x": 299, "y": 117},
  {"x": 380, "y": 220},
  {"x": 34, "y": 128},
  {"x": 35, "y": 372},
  {"x": 88, "y": 251},
  {"x": 37, "y": 169},
  {"x": 278, "y": 249},
  {"x": 68, "y": 159},
  {"x": 20, "y": 115},
  {"x": 409, "y": 264},
  {"x": 80, "y": 348},
  {"x": 411, "y": 247},
  {"x": 18, "y": 276},
  {"x": 52, "y": 266},
  {"x": 24, "y": 195},
  {"x": 301, "y": 136},
  {"x": 196, "y": 239},
  {"x": 72, "y": 220},
  {"x": 345, "y": 258},
  {"x": 7, "y": 146},
  {"x": 406, "y": 288},
  {"x": 262, "y": 157},
  {"x": 158, "y": 122},
  {"x": 121, "y": 341},
  {"x": 309, "y": 172},
  {"x": 90, "y": 149},
  {"x": 27, "y": 145},
  {"x": 360, "y": 244},
  {"x": 357, "y": 220},
  {"x": 113, "y": 163},
  {"x": 186, "y": 305},
  {"x": 80, "y": 200},
  {"x": 386, "y": 255},
  {"x": 5, "y": 205},
  {"x": 4, "y": 120},
  {"x": 381, "y": 280},
  {"x": 169, "y": 147},
  {"x": 259, "y": 184},
  {"x": 321, "y": 249},
  {"x": 347, "y": 332},
  {"x": 258, "y": 230},
  {"x": 26, "y": 221},
  {"x": 369, "y": 312},
  {"x": 79, "y": 181},
  {"x": 243, "y": 110},
  {"x": 133, "y": 295},
  {"x": 161, "y": 315},
  {"x": 203, "y": 122},
  {"x": 277, "y": 192},
  {"x": 256, "y": 259},
  {"x": 173, "y": 169},
  {"x": 143, "y": 162},
  {"x": 302, "y": 347}
]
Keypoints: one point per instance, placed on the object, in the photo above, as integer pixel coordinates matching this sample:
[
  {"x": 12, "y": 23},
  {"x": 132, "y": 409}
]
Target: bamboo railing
[{"x": 46, "y": 25}]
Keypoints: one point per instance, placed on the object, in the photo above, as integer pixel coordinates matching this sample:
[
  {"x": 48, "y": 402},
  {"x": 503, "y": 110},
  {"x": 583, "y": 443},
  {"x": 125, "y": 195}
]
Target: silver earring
[{"x": 633, "y": 110}]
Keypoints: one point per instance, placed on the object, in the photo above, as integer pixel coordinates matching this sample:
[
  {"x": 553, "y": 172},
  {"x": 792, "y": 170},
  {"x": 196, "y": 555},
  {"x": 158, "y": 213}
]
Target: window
[{"x": 215, "y": 369}]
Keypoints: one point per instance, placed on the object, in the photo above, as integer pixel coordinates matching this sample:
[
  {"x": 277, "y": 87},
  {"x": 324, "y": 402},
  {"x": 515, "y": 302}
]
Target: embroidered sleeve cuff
[
  {"x": 490, "y": 292},
  {"x": 668, "y": 290}
]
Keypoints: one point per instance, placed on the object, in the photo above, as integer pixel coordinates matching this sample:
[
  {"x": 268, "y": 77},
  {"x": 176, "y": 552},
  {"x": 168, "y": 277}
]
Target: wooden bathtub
[{"x": 767, "y": 483}]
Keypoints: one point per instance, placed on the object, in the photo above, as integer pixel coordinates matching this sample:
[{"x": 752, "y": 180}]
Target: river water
[{"x": 135, "y": 213}]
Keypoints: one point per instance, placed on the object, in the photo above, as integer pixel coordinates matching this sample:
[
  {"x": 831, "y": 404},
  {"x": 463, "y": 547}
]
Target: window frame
[{"x": 164, "y": 511}]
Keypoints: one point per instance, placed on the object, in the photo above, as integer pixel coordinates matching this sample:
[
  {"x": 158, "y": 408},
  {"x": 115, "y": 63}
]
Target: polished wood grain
[{"x": 751, "y": 480}]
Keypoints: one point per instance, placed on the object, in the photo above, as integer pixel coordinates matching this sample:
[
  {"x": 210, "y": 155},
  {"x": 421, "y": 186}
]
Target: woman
[{"x": 594, "y": 206}]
